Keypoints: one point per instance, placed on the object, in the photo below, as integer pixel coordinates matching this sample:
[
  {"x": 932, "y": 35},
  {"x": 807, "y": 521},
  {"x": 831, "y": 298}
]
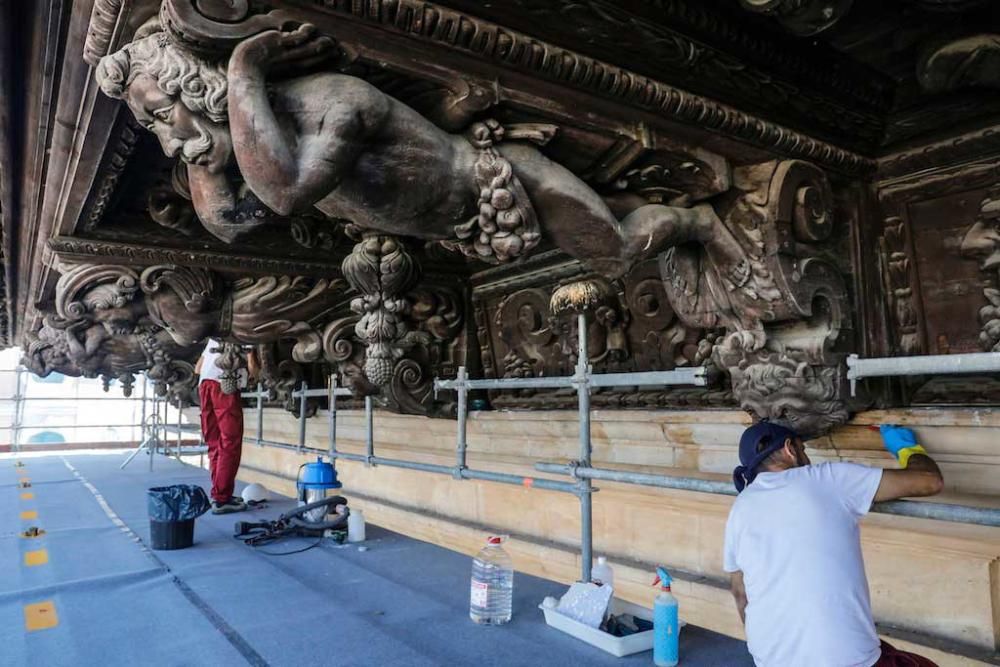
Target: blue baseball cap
[{"x": 774, "y": 435}]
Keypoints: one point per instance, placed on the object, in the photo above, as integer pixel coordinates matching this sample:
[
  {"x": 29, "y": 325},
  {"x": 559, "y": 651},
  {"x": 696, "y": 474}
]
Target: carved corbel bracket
[
  {"x": 382, "y": 270},
  {"x": 759, "y": 273},
  {"x": 216, "y": 26},
  {"x": 231, "y": 361}
]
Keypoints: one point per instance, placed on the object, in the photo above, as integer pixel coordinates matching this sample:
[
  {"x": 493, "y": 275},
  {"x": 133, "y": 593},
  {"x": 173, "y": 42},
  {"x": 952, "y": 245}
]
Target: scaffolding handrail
[{"x": 859, "y": 368}]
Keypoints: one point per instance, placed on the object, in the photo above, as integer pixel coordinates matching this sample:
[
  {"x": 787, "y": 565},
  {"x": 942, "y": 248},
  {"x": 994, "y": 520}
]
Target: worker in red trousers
[
  {"x": 793, "y": 548},
  {"x": 222, "y": 427}
]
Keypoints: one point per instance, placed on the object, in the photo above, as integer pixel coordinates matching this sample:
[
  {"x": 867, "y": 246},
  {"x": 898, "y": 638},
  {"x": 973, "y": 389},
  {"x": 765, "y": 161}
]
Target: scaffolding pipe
[
  {"x": 369, "y": 427},
  {"x": 302, "y": 415},
  {"x": 461, "y": 444},
  {"x": 332, "y": 416},
  {"x": 982, "y": 516},
  {"x": 260, "y": 412},
  {"x": 180, "y": 434},
  {"x": 586, "y": 487},
  {"x": 142, "y": 419},
  {"x": 678, "y": 376},
  {"x": 466, "y": 473},
  {"x": 931, "y": 364}
]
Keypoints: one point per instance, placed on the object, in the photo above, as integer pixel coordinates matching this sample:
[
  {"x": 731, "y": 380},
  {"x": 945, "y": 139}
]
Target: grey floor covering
[{"x": 402, "y": 602}]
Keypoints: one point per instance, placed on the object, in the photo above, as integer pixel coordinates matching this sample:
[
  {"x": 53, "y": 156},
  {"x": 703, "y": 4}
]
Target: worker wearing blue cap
[{"x": 793, "y": 548}]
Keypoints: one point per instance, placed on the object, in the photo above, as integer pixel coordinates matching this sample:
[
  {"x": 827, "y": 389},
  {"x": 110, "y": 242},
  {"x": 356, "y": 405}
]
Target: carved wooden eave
[
  {"x": 527, "y": 72},
  {"x": 7, "y": 176},
  {"x": 797, "y": 158}
]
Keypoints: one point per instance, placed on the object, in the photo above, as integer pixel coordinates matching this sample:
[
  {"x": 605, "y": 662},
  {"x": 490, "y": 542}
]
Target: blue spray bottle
[{"x": 665, "y": 623}]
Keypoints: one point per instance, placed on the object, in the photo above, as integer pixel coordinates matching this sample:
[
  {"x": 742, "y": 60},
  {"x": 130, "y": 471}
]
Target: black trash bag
[{"x": 180, "y": 502}]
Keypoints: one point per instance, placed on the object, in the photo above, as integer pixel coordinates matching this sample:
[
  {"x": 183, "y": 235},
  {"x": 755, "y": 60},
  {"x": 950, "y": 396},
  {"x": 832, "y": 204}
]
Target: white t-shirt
[
  {"x": 210, "y": 371},
  {"x": 794, "y": 535}
]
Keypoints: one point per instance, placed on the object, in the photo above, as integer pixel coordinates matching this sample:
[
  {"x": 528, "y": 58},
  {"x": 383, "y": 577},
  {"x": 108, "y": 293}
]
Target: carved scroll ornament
[
  {"x": 801, "y": 17},
  {"x": 755, "y": 272},
  {"x": 968, "y": 62}
]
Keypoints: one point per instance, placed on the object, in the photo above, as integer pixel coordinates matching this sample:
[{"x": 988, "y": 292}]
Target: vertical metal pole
[
  {"x": 15, "y": 435},
  {"x": 369, "y": 436},
  {"x": 463, "y": 411},
  {"x": 583, "y": 396},
  {"x": 142, "y": 419},
  {"x": 179, "y": 434},
  {"x": 332, "y": 416},
  {"x": 154, "y": 432},
  {"x": 260, "y": 413},
  {"x": 302, "y": 416}
]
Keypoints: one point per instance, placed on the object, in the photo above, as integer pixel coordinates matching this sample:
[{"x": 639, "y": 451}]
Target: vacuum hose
[{"x": 295, "y": 518}]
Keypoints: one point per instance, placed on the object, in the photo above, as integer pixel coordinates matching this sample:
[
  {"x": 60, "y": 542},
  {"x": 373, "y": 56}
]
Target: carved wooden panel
[
  {"x": 939, "y": 259},
  {"x": 635, "y": 329}
]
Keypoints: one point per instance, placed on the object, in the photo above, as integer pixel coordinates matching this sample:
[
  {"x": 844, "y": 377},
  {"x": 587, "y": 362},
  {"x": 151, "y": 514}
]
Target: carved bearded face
[
  {"x": 177, "y": 96},
  {"x": 982, "y": 241},
  {"x": 193, "y": 138}
]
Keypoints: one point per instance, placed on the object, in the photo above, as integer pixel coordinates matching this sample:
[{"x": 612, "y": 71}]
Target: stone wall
[{"x": 929, "y": 580}]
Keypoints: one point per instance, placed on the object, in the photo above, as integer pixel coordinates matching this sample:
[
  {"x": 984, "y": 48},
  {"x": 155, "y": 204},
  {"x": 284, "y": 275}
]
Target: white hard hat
[{"x": 255, "y": 493}]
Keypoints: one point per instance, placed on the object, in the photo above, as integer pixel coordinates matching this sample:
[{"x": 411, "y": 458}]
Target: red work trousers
[
  {"x": 222, "y": 429},
  {"x": 893, "y": 657}
]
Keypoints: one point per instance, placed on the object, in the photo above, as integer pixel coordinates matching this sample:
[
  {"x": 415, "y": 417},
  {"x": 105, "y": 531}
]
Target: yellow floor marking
[
  {"x": 38, "y": 557},
  {"x": 27, "y": 495},
  {"x": 27, "y": 515},
  {"x": 40, "y": 616}
]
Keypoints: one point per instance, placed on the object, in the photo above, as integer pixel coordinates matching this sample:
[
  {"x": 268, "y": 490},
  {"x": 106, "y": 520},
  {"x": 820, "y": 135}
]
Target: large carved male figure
[{"x": 336, "y": 143}]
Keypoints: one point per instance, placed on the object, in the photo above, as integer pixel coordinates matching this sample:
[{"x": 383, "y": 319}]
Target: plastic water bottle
[
  {"x": 601, "y": 573},
  {"x": 356, "y": 526},
  {"x": 492, "y": 584},
  {"x": 666, "y": 623}
]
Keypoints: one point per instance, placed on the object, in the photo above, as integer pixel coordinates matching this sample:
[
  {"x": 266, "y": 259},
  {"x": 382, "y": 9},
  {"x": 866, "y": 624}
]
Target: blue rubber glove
[
  {"x": 901, "y": 443},
  {"x": 895, "y": 438}
]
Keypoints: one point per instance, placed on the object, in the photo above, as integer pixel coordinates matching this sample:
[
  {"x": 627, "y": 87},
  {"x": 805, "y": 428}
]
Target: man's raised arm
[
  {"x": 290, "y": 173},
  {"x": 920, "y": 475}
]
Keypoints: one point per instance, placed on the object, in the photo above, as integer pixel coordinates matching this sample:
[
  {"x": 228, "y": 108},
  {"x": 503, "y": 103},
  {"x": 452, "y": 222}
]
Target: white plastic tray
[{"x": 616, "y": 646}]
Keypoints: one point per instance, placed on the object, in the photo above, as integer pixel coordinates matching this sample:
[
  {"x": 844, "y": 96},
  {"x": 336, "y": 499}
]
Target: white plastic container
[
  {"x": 616, "y": 646},
  {"x": 602, "y": 573},
  {"x": 492, "y": 585},
  {"x": 356, "y": 526}
]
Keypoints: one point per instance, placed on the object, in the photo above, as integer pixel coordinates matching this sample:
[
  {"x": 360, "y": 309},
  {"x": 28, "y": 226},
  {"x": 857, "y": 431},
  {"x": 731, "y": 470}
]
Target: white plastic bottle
[
  {"x": 602, "y": 573},
  {"x": 491, "y": 594},
  {"x": 356, "y": 526}
]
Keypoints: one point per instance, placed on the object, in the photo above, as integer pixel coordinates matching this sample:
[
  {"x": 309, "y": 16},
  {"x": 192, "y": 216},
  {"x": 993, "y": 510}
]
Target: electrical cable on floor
[{"x": 289, "y": 553}]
